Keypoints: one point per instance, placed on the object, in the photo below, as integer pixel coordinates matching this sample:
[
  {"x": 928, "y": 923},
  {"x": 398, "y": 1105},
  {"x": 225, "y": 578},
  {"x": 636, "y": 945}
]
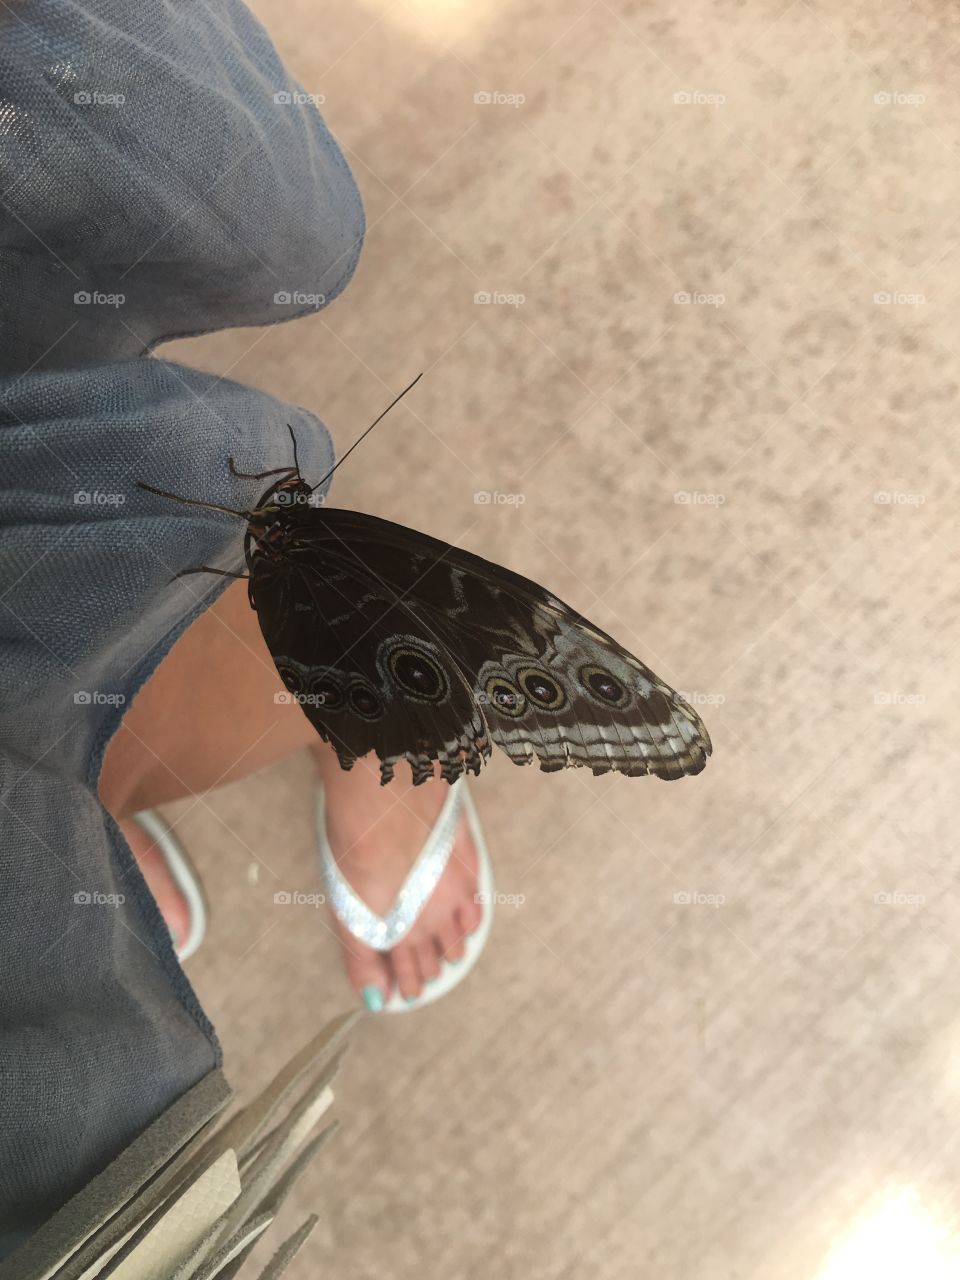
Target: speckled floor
[{"x": 719, "y": 1038}]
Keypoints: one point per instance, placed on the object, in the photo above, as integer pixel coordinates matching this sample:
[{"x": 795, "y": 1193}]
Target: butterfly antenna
[
  {"x": 325, "y": 478},
  {"x": 296, "y": 460}
]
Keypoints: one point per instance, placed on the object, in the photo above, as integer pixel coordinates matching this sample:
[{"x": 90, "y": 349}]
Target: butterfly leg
[
  {"x": 259, "y": 475},
  {"x": 192, "y": 502},
  {"x": 205, "y": 568}
]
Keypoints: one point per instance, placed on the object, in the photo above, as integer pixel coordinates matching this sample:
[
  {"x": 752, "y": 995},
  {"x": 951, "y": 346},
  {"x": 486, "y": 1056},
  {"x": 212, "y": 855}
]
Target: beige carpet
[{"x": 763, "y": 1082}]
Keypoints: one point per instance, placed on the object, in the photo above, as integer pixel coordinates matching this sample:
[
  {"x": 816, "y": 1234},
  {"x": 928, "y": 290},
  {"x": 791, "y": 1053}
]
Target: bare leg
[{"x": 208, "y": 716}]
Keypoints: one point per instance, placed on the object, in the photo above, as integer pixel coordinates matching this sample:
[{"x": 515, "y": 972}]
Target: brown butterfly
[{"x": 395, "y": 642}]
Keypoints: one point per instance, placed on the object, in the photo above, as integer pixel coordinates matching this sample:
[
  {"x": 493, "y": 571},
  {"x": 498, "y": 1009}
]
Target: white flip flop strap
[{"x": 383, "y": 932}]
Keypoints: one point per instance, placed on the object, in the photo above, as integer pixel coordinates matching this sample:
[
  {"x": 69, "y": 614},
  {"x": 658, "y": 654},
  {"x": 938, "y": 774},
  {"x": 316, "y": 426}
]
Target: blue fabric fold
[{"x": 157, "y": 152}]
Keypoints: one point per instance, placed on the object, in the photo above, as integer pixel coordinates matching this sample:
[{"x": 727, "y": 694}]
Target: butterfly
[{"x": 395, "y": 642}]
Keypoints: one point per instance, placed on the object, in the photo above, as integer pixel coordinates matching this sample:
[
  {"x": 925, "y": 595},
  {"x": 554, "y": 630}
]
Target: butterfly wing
[{"x": 550, "y": 685}]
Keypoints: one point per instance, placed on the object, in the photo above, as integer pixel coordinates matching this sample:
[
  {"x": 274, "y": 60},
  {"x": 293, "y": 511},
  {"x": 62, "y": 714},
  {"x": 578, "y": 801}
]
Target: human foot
[{"x": 375, "y": 835}]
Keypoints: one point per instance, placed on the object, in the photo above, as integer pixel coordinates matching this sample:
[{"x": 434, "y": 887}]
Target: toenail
[
  {"x": 410, "y": 999},
  {"x": 372, "y": 998}
]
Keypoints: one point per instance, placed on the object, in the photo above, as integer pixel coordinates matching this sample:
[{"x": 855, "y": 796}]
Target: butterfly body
[{"x": 394, "y": 642}]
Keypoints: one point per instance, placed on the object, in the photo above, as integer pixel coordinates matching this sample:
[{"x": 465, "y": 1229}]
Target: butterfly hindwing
[
  {"x": 583, "y": 701},
  {"x": 552, "y": 685},
  {"x": 369, "y": 610}
]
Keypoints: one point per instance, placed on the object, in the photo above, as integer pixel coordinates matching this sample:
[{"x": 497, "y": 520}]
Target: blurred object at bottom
[{"x": 181, "y": 1203}]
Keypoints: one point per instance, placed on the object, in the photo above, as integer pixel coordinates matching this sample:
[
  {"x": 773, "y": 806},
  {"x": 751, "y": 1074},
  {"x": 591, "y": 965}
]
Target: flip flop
[
  {"x": 383, "y": 932},
  {"x": 184, "y": 877}
]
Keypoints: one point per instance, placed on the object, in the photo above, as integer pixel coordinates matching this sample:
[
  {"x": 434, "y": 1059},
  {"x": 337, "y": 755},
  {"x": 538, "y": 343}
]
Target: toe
[
  {"x": 429, "y": 960},
  {"x": 368, "y": 973},
  {"x": 406, "y": 969},
  {"x": 449, "y": 941},
  {"x": 469, "y": 915}
]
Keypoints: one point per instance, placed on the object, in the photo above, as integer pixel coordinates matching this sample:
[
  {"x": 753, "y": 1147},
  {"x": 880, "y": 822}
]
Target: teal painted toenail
[
  {"x": 372, "y": 998},
  {"x": 410, "y": 999}
]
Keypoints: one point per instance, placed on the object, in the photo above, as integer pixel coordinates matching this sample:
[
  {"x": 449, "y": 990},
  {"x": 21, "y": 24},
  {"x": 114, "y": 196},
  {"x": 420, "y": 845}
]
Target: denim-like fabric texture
[
  {"x": 143, "y": 154},
  {"x": 193, "y": 193}
]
